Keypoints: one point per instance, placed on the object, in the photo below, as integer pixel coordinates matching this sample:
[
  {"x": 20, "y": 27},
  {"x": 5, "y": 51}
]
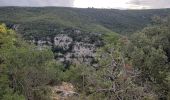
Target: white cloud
[
  {"x": 151, "y": 3},
  {"x": 65, "y": 3},
  {"x": 101, "y": 3},
  {"x": 121, "y": 4}
]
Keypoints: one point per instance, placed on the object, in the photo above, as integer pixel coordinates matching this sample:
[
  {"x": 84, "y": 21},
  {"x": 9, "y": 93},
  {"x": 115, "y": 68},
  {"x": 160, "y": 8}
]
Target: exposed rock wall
[{"x": 72, "y": 46}]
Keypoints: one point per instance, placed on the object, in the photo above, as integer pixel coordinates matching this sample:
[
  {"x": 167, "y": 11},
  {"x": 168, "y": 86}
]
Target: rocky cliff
[{"x": 72, "y": 46}]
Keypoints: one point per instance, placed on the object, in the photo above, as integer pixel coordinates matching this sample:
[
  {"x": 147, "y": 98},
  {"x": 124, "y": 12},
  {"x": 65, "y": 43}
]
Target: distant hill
[{"x": 50, "y": 20}]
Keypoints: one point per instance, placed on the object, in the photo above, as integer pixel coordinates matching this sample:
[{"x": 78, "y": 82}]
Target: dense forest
[
  {"x": 84, "y": 54},
  {"x": 50, "y": 20}
]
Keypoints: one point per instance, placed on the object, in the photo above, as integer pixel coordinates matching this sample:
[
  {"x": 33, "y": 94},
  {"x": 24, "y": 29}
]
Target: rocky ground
[{"x": 72, "y": 46}]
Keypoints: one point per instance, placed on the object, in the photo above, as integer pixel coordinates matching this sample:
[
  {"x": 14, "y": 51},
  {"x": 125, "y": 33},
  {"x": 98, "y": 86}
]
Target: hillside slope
[{"x": 50, "y": 20}]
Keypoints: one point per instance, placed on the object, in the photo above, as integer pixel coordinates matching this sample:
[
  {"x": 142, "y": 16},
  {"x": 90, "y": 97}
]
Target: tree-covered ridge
[
  {"x": 128, "y": 68},
  {"x": 39, "y": 22}
]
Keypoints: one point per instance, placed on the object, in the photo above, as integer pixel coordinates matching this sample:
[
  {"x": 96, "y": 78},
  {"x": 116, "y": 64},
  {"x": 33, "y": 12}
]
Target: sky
[{"x": 116, "y": 4}]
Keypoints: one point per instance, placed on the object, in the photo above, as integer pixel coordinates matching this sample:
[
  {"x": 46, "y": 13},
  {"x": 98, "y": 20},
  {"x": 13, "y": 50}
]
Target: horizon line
[{"x": 84, "y": 7}]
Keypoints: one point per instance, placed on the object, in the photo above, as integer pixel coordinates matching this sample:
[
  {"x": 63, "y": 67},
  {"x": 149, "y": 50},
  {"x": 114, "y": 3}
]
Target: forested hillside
[
  {"x": 50, "y": 20},
  {"x": 84, "y": 54}
]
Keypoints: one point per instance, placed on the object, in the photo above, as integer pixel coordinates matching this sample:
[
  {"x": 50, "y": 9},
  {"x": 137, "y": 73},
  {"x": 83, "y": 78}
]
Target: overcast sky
[{"x": 120, "y": 4}]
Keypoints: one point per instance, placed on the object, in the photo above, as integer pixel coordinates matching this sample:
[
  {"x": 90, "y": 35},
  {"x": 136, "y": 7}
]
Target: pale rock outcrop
[
  {"x": 63, "y": 91},
  {"x": 62, "y": 41}
]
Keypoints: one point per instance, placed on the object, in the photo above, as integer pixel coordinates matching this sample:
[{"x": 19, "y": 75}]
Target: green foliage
[
  {"x": 76, "y": 75},
  {"x": 7, "y": 40},
  {"x": 25, "y": 69},
  {"x": 12, "y": 96},
  {"x": 113, "y": 79},
  {"x": 110, "y": 80},
  {"x": 27, "y": 72},
  {"x": 149, "y": 52},
  {"x": 31, "y": 69},
  {"x": 42, "y": 22}
]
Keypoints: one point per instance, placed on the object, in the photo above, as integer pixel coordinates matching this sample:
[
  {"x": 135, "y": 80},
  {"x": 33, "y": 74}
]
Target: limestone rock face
[
  {"x": 62, "y": 41},
  {"x": 71, "y": 46},
  {"x": 84, "y": 49}
]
